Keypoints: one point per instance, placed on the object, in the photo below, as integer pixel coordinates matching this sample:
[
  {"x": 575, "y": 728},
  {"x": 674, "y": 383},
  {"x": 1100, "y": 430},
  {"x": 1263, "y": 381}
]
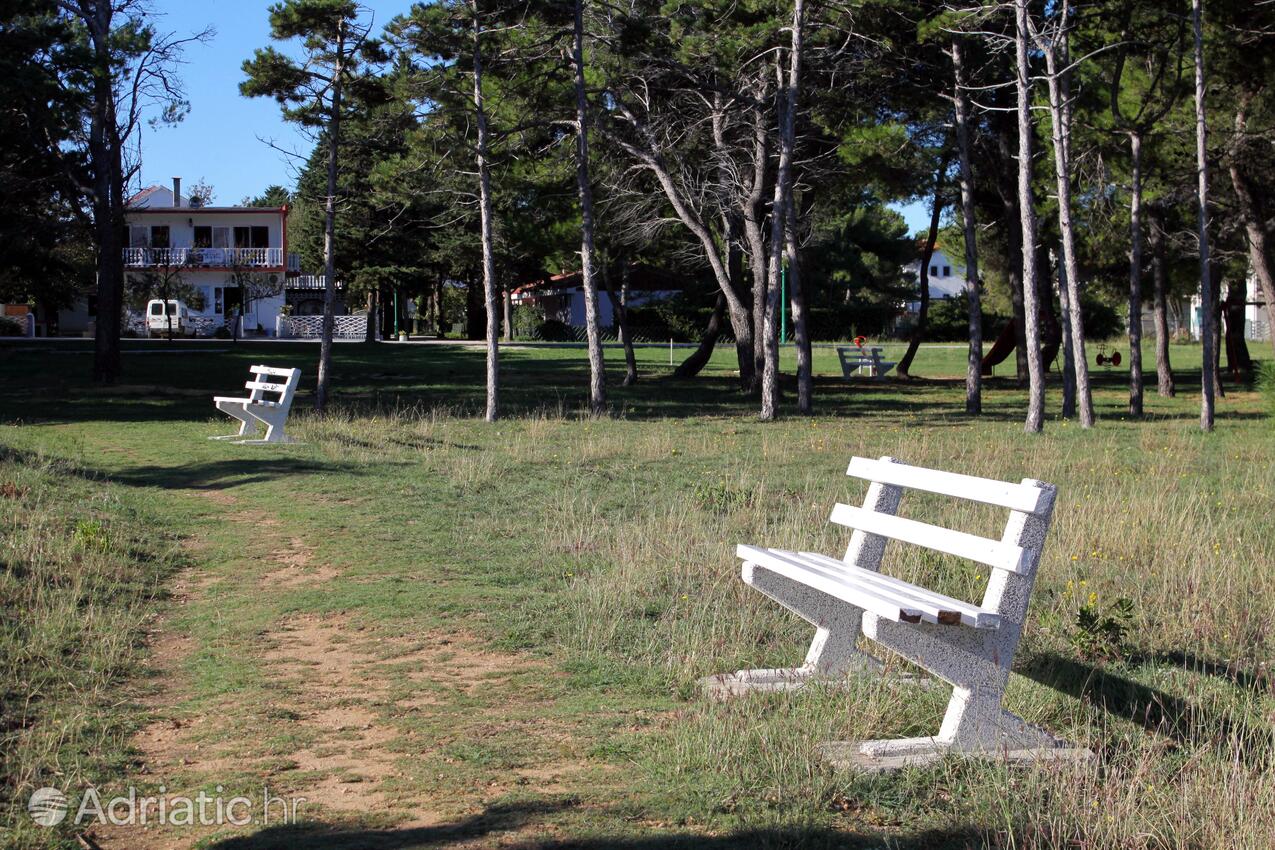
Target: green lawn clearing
[{"x": 448, "y": 633}]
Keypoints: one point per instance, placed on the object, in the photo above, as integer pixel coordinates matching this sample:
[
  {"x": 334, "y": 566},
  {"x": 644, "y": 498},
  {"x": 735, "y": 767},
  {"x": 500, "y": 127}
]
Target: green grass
[{"x": 592, "y": 560}]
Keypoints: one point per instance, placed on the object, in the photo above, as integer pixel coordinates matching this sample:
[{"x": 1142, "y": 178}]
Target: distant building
[
  {"x": 213, "y": 249},
  {"x": 1257, "y": 324},
  {"x": 947, "y": 279},
  {"x": 561, "y": 296}
]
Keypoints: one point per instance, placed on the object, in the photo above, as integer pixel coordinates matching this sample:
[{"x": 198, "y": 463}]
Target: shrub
[
  {"x": 552, "y": 330},
  {"x": 1102, "y": 321},
  {"x": 11, "y": 327},
  {"x": 950, "y": 321},
  {"x": 526, "y": 320}
]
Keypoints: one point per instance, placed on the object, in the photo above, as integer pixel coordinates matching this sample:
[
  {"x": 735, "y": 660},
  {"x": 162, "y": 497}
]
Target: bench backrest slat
[
  {"x": 261, "y": 383},
  {"x": 993, "y": 553},
  {"x": 272, "y": 370},
  {"x": 266, "y": 386},
  {"x": 1016, "y": 497}
]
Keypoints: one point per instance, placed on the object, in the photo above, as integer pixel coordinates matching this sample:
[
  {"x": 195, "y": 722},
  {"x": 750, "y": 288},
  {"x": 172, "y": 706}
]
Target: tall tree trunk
[
  {"x": 1012, "y": 215},
  {"x": 1215, "y": 278},
  {"x": 787, "y": 101},
  {"x": 691, "y": 366},
  {"x": 1163, "y": 368},
  {"x": 620, "y": 309},
  {"x": 597, "y": 371},
  {"x": 1254, "y": 218},
  {"x": 1135, "y": 275},
  {"x": 106, "y": 165},
  {"x": 439, "y": 315},
  {"x": 752, "y": 214},
  {"x": 1209, "y": 359},
  {"x": 370, "y": 334},
  {"x": 1060, "y": 114},
  {"x": 329, "y": 229},
  {"x": 731, "y": 226},
  {"x": 507, "y": 308},
  {"x": 1238, "y": 360},
  {"x": 485, "y": 217},
  {"x": 106, "y": 160},
  {"x": 923, "y": 315},
  {"x": 1035, "y": 422},
  {"x": 1068, "y": 353},
  {"x": 974, "y": 370},
  {"x": 800, "y": 324},
  {"x": 474, "y": 318}
]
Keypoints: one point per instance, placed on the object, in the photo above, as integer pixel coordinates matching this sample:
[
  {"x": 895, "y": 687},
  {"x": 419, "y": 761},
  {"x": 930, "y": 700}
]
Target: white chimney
[{"x": 177, "y": 191}]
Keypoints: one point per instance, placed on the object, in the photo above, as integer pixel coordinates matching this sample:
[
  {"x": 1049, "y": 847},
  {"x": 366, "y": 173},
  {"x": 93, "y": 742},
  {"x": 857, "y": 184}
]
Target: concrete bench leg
[
  {"x": 974, "y": 722},
  {"x": 273, "y": 419},
  {"x": 247, "y": 422},
  {"x": 832, "y": 654},
  {"x": 976, "y": 663}
]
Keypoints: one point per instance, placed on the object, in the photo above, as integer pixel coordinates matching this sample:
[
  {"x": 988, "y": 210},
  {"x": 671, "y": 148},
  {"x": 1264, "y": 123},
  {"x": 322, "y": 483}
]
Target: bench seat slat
[
  {"x": 253, "y": 401},
  {"x": 993, "y": 553},
  {"x": 1016, "y": 497},
  {"x": 971, "y": 615},
  {"x": 791, "y": 565},
  {"x": 266, "y": 386},
  {"x": 272, "y": 370},
  {"x": 895, "y": 600},
  {"x": 935, "y": 607}
]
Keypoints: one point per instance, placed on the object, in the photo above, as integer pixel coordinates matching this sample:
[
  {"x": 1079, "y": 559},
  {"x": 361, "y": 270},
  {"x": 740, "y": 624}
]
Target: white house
[
  {"x": 947, "y": 279},
  {"x": 1257, "y": 324},
  {"x": 213, "y": 249}
]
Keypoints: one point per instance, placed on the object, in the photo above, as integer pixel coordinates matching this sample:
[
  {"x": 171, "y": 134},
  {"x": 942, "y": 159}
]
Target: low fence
[{"x": 311, "y": 327}]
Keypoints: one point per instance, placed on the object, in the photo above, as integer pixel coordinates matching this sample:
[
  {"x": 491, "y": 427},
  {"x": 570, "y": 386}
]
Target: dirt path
[{"x": 344, "y": 721}]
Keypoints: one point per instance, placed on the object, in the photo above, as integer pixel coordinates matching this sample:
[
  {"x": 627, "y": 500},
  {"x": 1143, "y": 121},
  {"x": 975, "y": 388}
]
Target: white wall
[
  {"x": 182, "y": 223},
  {"x": 606, "y": 316}
]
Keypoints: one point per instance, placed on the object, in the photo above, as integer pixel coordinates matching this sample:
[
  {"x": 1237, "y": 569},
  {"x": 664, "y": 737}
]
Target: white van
[{"x": 157, "y": 322}]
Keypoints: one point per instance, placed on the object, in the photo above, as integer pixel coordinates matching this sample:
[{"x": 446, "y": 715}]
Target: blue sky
[
  {"x": 224, "y": 138},
  {"x": 218, "y": 141}
]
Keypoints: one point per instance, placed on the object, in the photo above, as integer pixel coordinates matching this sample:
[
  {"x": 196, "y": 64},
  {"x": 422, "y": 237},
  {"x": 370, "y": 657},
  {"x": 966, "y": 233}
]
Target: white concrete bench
[
  {"x": 967, "y": 645},
  {"x": 257, "y": 410},
  {"x": 857, "y": 361}
]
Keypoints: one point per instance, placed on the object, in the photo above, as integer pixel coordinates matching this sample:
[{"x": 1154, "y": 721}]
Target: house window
[
  {"x": 934, "y": 271},
  {"x": 159, "y": 236},
  {"x": 947, "y": 271},
  {"x": 219, "y": 308},
  {"x": 203, "y": 236},
  {"x": 138, "y": 236},
  {"x": 252, "y": 237}
]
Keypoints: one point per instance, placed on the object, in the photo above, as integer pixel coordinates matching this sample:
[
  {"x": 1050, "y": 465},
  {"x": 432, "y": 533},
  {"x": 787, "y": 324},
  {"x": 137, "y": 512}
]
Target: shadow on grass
[
  {"x": 1228, "y": 670},
  {"x": 210, "y": 475},
  {"x": 1186, "y": 722},
  {"x": 422, "y": 380},
  {"x": 508, "y": 817}
]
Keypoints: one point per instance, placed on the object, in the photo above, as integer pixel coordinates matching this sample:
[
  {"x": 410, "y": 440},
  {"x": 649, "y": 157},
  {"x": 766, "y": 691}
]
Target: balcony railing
[
  {"x": 225, "y": 258},
  {"x": 311, "y": 281}
]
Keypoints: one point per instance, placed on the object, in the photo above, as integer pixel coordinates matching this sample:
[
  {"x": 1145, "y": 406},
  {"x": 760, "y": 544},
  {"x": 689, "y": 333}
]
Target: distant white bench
[
  {"x": 969, "y": 646},
  {"x": 258, "y": 409},
  {"x": 857, "y": 361}
]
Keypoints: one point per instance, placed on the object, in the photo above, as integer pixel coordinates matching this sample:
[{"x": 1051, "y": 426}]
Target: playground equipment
[{"x": 1107, "y": 360}]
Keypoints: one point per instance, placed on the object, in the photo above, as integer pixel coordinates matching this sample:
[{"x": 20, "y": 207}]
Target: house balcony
[{"x": 210, "y": 258}]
